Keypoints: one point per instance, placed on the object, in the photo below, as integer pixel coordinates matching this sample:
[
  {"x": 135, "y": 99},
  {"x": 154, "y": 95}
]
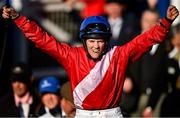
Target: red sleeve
[
  {"x": 143, "y": 42},
  {"x": 42, "y": 39}
]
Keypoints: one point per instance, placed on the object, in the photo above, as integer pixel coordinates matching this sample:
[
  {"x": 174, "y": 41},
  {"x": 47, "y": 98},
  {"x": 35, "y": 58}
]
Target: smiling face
[{"x": 95, "y": 47}]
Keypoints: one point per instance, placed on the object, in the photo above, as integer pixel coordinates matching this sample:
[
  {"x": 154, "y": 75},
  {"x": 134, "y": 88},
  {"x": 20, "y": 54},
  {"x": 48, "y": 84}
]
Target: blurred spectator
[
  {"x": 150, "y": 17},
  {"x": 22, "y": 101},
  {"x": 171, "y": 104},
  {"x": 123, "y": 24},
  {"x": 152, "y": 4},
  {"x": 53, "y": 105},
  {"x": 92, "y": 8},
  {"x": 130, "y": 94},
  {"x": 87, "y": 7},
  {"x": 159, "y": 5},
  {"x": 152, "y": 69},
  {"x": 67, "y": 99}
]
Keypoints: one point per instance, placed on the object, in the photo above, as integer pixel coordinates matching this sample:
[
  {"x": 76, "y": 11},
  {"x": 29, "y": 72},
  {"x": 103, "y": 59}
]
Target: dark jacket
[
  {"x": 153, "y": 74},
  {"x": 8, "y": 107},
  {"x": 171, "y": 103},
  {"x": 129, "y": 30}
]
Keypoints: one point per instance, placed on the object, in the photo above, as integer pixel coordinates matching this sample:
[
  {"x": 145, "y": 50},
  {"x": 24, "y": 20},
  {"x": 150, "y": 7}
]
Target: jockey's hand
[
  {"x": 9, "y": 13},
  {"x": 172, "y": 13}
]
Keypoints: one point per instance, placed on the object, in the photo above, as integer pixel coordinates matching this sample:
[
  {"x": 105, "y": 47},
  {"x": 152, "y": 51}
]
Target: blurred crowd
[{"x": 152, "y": 84}]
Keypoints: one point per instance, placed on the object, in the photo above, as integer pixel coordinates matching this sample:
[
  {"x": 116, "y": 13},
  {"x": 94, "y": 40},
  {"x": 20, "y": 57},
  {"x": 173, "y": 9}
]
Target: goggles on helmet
[{"x": 97, "y": 30}]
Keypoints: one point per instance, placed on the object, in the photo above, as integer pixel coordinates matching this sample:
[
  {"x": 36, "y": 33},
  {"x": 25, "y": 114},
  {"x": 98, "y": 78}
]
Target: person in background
[
  {"x": 86, "y": 8},
  {"x": 67, "y": 99},
  {"x": 52, "y": 103},
  {"x": 133, "y": 85},
  {"x": 171, "y": 105},
  {"x": 160, "y": 5},
  {"x": 23, "y": 101},
  {"x": 96, "y": 70},
  {"x": 124, "y": 25},
  {"x": 152, "y": 69},
  {"x": 92, "y": 8}
]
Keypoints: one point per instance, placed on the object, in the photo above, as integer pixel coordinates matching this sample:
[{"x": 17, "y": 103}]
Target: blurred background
[{"x": 61, "y": 18}]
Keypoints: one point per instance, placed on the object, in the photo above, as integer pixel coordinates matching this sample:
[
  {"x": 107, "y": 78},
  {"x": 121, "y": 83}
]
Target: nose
[{"x": 96, "y": 45}]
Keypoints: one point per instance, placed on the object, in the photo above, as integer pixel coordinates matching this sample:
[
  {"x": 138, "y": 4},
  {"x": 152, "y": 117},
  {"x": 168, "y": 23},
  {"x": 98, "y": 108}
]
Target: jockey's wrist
[
  {"x": 14, "y": 16},
  {"x": 169, "y": 20}
]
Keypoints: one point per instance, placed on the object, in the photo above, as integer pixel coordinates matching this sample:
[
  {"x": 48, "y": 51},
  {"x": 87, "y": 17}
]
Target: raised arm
[
  {"x": 37, "y": 35},
  {"x": 157, "y": 34}
]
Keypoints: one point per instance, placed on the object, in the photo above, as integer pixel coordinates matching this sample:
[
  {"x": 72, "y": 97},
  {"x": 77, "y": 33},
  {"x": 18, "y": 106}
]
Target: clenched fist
[
  {"x": 9, "y": 13},
  {"x": 172, "y": 13}
]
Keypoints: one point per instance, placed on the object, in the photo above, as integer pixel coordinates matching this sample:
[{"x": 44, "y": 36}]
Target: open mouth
[{"x": 95, "y": 50}]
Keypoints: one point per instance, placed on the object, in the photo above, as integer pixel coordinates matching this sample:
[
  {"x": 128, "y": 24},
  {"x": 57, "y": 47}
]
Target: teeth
[{"x": 95, "y": 50}]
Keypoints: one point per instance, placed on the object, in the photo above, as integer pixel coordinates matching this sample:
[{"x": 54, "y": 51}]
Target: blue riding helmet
[{"x": 95, "y": 27}]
